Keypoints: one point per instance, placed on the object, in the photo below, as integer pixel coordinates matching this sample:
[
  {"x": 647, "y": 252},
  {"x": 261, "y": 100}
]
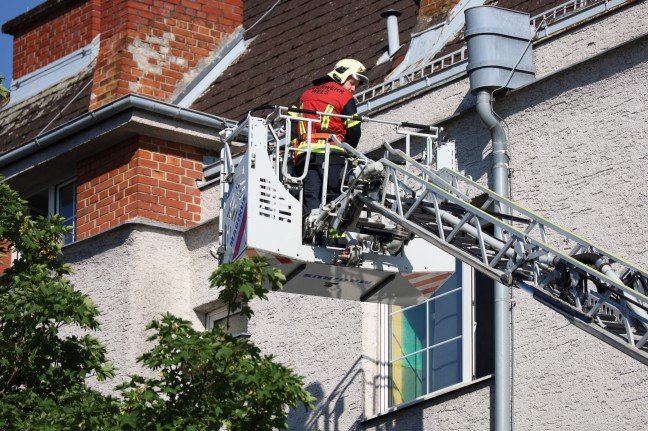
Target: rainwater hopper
[{"x": 499, "y": 48}]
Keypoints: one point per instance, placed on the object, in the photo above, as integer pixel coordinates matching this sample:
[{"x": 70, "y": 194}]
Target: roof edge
[
  {"x": 462, "y": 74},
  {"x": 105, "y": 112},
  {"x": 230, "y": 51}
]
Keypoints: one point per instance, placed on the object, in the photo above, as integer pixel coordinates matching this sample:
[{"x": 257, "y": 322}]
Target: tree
[
  {"x": 205, "y": 380},
  {"x": 211, "y": 379},
  {"x": 43, "y": 372},
  {"x": 3, "y": 90}
]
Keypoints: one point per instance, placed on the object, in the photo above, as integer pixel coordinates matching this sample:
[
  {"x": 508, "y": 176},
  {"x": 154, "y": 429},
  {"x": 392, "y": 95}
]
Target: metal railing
[
  {"x": 561, "y": 10},
  {"x": 427, "y": 69},
  {"x": 598, "y": 291},
  {"x": 437, "y": 65}
]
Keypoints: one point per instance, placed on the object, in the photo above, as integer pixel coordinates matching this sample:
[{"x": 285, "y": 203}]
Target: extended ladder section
[
  {"x": 391, "y": 204},
  {"x": 598, "y": 291}
]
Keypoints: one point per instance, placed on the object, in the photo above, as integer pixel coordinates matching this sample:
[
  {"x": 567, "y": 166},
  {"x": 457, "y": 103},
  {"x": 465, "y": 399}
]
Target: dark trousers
[{"x": 315, "y": 178}]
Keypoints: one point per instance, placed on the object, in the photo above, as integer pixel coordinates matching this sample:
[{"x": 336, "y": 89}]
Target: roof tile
[
  {"x": 297, "y": 42},
  {"x": 57, "y": 105}
]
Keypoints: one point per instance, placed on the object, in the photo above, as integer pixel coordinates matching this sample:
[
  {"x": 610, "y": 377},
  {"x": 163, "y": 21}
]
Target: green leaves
[
  {"x": 43, "y": 372},
  {"x": 244, "y": 280},
  {"x": 3, "y": 90},
  {"x": 210, "y": 379},
  {"x": 204, "y": 380},
  {"x": 207, "y": 380}
]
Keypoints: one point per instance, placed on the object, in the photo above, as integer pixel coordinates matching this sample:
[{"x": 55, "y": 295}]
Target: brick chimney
[
  {"x": 146, "y": 46},
  {"x": 432, "y": 12},
  {"x": 51, "y": 31}
]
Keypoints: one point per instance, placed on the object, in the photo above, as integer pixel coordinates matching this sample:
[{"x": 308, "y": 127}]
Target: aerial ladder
[{"x": 406, "y": 219}]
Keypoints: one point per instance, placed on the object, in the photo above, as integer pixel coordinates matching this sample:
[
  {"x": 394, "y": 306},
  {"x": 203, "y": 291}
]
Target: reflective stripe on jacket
[{"x": 318, "y": 143}]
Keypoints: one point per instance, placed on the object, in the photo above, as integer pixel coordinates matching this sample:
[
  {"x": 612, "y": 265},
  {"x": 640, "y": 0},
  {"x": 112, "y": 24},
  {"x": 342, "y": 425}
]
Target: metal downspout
[{"x": 502, "y": 297}]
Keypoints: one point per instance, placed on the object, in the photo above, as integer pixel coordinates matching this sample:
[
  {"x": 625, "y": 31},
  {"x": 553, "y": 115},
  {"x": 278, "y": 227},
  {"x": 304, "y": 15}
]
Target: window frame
[
  {"x": 218, "y": 317},
  {"x": 468, "y": 349},
  {"x": 55, "y": 204},
  {"x": 53, "y": 192}
]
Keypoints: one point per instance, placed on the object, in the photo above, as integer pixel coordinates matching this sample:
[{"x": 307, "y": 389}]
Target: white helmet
[{"x": 348, "y": 68}]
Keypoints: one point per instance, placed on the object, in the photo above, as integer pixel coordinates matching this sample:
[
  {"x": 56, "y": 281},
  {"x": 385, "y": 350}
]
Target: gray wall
[
  {"x": 578, "y": 147},
  {"x": 134, "y": 274}
]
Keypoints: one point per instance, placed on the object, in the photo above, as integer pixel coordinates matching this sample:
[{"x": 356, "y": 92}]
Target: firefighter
[{"x": 333, "y": 94}]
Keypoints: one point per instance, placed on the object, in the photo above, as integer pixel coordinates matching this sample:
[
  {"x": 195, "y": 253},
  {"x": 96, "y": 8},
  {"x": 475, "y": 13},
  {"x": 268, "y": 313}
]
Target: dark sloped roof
[
  {"x": 295, "y": 42},
  {"x": 301, "y": 39},
  {"x": 298, "y": 41},
  {"x": 57, "y": 105}
]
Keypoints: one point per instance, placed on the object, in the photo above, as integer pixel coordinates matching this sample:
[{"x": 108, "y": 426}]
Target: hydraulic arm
[
  {"x": 390, "y": 207},
  {"x": 600, "y": 292}
]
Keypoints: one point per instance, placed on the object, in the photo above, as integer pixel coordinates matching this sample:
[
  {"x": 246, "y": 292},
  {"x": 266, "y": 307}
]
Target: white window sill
[{"x": 427, "y": 397}]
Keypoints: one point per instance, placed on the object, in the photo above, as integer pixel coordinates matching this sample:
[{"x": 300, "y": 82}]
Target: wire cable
[
  {"x": 262, "y": 17},
  {"x": 65, "y": 107}
]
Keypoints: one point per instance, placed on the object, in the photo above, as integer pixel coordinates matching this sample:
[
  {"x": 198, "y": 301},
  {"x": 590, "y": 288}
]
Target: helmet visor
[{"x": 363, "y": 79}]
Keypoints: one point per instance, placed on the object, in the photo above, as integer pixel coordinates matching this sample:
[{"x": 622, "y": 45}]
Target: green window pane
[
  {"x": 408, "y": 331},
  {"x": 408, "y": 378}
]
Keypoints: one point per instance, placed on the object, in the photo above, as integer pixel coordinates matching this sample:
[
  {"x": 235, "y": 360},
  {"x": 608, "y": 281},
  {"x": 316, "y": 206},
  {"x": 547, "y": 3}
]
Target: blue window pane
[
  {"x": 66, "y": 200},
  {"x": 408, "y": 378},
  {"x": 66, "y": 207},
  {"x": 408, "y": 331},
  {"x": 445, "y": 365},
  {"x": 445, "y": 317},
  {"x": 427, "y": 343}
]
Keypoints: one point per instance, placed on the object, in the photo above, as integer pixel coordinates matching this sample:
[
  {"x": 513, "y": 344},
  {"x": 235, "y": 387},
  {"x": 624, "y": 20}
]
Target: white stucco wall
[
  {"x": 321, "y": 339},
  {"x": 578, "y": 146},
  {"x": 134, "y": 274}
]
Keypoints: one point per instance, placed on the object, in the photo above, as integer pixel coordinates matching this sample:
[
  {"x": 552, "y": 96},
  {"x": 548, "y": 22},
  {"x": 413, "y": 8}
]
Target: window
[
  {"x": 238, "y": 323},
  {"x": 433, "y": 346},
  {"x": 65, "y": 206},
  {"x": 58, "y": 199}
]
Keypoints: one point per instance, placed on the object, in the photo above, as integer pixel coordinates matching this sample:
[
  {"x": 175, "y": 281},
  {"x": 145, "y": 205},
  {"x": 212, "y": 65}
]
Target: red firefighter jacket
[{"x": 333, "y": 98}]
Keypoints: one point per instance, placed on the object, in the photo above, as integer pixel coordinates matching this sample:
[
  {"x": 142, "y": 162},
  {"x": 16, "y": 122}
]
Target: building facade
[{"x": 114, "y": 122}]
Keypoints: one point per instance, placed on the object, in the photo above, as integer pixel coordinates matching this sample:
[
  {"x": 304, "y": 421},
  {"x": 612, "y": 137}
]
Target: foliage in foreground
[
  {"x": 3, "y": 90},
  {"x": 204, "y": 380},
  {"x": 211, "y": 379},
  {"x": 42, "y": 372}
]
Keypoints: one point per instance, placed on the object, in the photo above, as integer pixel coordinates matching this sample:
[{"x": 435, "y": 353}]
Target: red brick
[
  {"x": 184, "y": 198},
  {"x": 148, "y": 180},
  {"x": 188, "y": 181},
  {"x": 194, "y": 191},
  {"x": 193, "y": 208},
  {"x": 185, "y": 215},
  {"x": 172, "y": 203},
  {"x": 172, "y": 186}
]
